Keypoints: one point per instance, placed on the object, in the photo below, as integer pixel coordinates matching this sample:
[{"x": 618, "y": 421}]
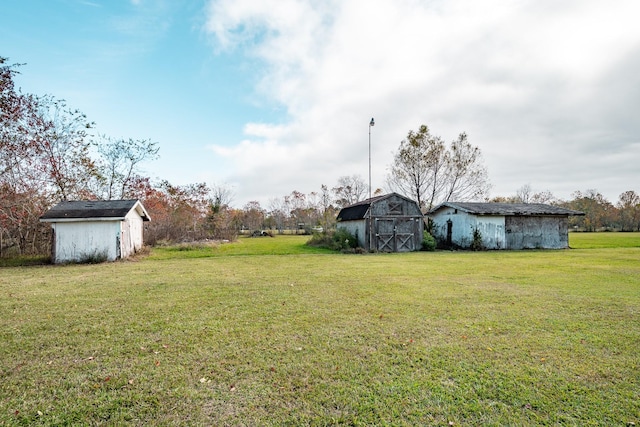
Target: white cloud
[{"x": 531, "y": 82}]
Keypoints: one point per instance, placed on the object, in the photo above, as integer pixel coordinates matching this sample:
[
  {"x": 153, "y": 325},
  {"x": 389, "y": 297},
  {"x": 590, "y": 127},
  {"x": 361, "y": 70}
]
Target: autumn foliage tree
[
  {"x": 599, "y": 212},
  {"x": 22, "y": 195},
  {"x": 629, "y": 211}
]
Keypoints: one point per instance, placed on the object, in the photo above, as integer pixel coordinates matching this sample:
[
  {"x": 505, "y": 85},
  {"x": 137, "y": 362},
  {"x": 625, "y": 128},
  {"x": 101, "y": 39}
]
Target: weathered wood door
[{"x": 395, "y": 234}]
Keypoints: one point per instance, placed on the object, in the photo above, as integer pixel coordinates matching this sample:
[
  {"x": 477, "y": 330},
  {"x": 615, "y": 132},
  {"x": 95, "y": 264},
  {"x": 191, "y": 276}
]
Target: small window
[
  {"x": 455, "y": 211},
  {"x": 395, "y": 208}
]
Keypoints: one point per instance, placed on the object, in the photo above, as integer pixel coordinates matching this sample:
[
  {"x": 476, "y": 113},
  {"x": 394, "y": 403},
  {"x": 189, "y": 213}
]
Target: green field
[{"x": 270, "y": 332}]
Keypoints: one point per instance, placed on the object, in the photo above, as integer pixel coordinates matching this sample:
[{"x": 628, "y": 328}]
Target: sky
[{"x": 270, "y": 96}]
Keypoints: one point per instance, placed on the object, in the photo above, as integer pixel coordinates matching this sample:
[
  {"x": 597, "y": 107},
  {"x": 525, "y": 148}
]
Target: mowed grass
[{"x": 270, "y": 332}]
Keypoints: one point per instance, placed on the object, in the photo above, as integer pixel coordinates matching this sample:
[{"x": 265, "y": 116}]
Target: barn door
[
  {"x": 385, "y": 235},
  {"x": 405, "y": 234},
  {"x": 395, "y": 234}
]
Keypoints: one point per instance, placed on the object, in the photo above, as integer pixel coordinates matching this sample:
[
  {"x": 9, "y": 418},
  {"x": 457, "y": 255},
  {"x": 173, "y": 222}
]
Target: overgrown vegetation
[
  {"x": 429, "y": 242},
  {"x": 335, "y": 240},
  {"x": 264, "y": 332},
  {"x": 95, "y": 257}
]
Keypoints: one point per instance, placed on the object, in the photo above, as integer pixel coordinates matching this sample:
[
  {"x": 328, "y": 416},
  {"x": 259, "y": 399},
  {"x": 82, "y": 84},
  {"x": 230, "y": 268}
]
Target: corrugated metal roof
[
  {"x": 86, "y": 209},
  {"x": 507, "y": 209}
]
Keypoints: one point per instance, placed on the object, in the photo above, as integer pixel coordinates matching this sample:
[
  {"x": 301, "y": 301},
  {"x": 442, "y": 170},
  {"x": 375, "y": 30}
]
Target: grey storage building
[
  {"x": 502, "y": 225},
  {"x": 388, "y": 223}
]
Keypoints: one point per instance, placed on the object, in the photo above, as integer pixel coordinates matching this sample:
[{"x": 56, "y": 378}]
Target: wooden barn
[
  {"x": 96, "y": 230},
  {"x": 502, "y": 225},
  {"x": 389, "y": 223}
]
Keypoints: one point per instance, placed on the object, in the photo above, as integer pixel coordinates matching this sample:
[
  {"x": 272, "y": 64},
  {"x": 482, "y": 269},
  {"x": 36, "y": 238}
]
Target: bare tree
[
  {"x": 543, "y": 197},
  {"x": 523, "y": 194},
  {"x": 119, "y": 161},
  {"x": 465, "y": 176},
  {"x": 417, "y": 165},
  {"x": 425, "y": 169},
  {"x": 349, "y": 190},
  {"x": 221, "y": 195}
]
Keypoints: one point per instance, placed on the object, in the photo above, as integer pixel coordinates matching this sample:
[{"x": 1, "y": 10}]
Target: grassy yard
[{"x": 269, "y": 332}]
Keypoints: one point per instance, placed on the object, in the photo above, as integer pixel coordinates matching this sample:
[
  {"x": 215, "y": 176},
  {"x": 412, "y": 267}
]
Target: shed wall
[
  {"x": 76, "y": 241},
  {"x": 537, "y": 232},
  {"x": 492, "y": 228},
  {"x": 358, "y": 228},
  {"x": 132, "y": 234}
]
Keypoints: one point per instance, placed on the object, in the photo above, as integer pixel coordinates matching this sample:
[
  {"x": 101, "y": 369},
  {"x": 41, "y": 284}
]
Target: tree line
[{"x": 49, "y": 153}]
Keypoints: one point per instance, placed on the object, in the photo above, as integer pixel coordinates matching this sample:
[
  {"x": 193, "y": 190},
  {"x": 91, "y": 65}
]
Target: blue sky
[{"x": 273, "y": 96}]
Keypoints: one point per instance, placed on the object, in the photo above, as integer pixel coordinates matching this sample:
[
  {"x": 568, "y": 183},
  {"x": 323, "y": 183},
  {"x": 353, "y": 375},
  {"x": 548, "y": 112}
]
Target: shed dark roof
[
  {"x": 507, "y": 209},
  {"x": 82, "y": 210},
  {"x": 359, "y": 210}
]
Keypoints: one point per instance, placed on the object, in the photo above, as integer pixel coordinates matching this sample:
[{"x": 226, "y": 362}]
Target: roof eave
[{"x": 92, "y": 219}]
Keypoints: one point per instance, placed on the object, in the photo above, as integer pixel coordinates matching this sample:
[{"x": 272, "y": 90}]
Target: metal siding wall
[
  {"x": 357, "y": 228},
  {"x": 492, "y": 230},
  {"x": 537, "y": 232},
  {"x": 463, "y": 224}
]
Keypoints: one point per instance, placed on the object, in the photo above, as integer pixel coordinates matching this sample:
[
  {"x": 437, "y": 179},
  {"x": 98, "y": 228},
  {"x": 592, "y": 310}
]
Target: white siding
[
  {"x": 77, "y": 241},
  {"x": 132, "y": 232},
  {"x": 463, "y": 224}
]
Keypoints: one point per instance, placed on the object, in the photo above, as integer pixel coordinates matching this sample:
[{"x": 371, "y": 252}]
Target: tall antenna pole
[{"x": 371, "y": 124}]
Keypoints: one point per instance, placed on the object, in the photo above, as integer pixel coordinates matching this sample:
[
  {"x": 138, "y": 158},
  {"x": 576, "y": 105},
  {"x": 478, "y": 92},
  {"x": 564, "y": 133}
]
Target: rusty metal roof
[
  {"x": 507, "y": 209},
  {"x": 96, "y": 209}
]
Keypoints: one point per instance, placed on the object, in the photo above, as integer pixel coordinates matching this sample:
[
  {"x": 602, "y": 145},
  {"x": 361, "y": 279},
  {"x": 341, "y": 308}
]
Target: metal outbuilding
[
  {"x": 388, "y": 223},
  {"x": 502, "y": 225},
  {"x": 101, "y": 230}
]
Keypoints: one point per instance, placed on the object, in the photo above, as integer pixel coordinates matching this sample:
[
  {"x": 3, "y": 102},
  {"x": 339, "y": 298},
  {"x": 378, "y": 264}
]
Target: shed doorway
[{"x": 395, "y": 234}]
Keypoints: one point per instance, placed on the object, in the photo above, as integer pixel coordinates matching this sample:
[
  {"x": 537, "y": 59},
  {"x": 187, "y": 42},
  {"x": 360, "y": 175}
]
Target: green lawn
[{"x": 269, "y": 332}]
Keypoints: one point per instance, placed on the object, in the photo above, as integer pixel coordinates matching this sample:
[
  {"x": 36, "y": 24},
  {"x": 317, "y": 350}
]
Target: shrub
[
  {"x": 476, "y": 242},
  {"x": 336, "y": 240},
  {"x": 428, "y": 242}
]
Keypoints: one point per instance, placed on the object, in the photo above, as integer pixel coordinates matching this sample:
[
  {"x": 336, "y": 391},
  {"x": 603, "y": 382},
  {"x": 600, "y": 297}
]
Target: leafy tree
[
  {"x": 178, "y": 213},
  {"x": 23, "y": 197},
  {"x": 599, "y": 212},
  {"x": 17, "y": 148},
  {"x": 253, "y": 215},
  {"x": 629, "y": 211},
  {"x": 431, "y": 172}
]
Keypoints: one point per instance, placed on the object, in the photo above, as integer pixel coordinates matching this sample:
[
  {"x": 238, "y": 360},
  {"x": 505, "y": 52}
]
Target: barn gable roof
[
  {"x": 359, "y": 210},
  {"x": 91, "y": 210},
  {"x": 507, "y": 209}
]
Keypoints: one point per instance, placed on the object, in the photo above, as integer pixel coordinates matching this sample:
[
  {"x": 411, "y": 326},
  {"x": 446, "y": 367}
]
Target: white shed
[
  {"x": 100, "y": 230},
  {"x": 502, "y": 225}
]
